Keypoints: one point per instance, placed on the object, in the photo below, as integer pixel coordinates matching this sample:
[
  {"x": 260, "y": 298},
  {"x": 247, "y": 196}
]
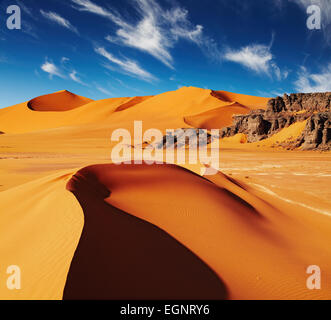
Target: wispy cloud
[
  {"x": 63, "y": 71},
  {"x": 56, "y": 18},
  {"x": 104, "y": 91},
  {"x": 130, "y": 67},
  {"x": 258, "y": 58},
  {"x": 89, "y": 6},
  {"x": 73, "y": 75},
  {"x": 64, "y": 60},
  {"x": 157, "y": 30},
  {"x": 52, "y": 69},
  {"x": 314, "y": 82},
  {"x": 254, "y": 57}
]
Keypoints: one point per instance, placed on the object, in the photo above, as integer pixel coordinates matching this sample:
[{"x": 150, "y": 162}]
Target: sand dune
[
  {"x": 249, "y": 101},
  {"x": 58, "y": 101},
  {"x": 82, "y": 227},
  {"x": 21, "y": 119},
  {"x": 217, "y": 118},
  {"x": 132, "y": 259},
  {"x": 40, "y": 227},
  {"x": 131, "y": 103}
]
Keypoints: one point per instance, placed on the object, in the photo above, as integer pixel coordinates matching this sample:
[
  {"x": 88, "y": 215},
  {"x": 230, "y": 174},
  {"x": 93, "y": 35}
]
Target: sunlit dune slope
[
  {"x": 40, "y": 226},
  {"x": 279, "y": 139},
  {"x": 249, "y": 101},
  {"x": 288, "y": 134},
  {"x": 58, "y": 101},
  {"x": 217, "y": 118},
  {"x": 132, "y": 102}
]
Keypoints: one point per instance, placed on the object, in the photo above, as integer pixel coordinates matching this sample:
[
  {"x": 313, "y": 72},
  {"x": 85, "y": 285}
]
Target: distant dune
[
  {"x": 217, "y": 118},
  {"x": 251, "y": 102},
  {"x": 59, "y": 101}
]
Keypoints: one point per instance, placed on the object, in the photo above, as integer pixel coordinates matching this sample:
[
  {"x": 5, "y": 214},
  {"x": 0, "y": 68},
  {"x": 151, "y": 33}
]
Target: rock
[
  {"x": 317, "y": 133},
  {"x": 183, "y": 137},
  {"x": 282, "y": 112}
]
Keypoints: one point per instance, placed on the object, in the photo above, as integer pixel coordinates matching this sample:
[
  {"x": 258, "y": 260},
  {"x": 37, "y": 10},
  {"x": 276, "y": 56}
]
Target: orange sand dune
[
  {"x": 217, "y": 118},
  {"x": 58, "y": 101},
  {"x": 132, "y": 259},
  {"x": 163, "y": 111},
  {"x": 249, "y": 101},
  {"x": 21, "y": 119},
  {"x": 134, "y": 101}
]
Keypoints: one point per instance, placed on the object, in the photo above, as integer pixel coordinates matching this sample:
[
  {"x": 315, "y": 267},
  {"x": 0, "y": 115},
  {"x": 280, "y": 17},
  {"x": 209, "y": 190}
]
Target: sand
[{"x": 249, "y": 232}]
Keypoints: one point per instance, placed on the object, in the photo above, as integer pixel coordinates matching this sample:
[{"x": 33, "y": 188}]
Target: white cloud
[
  {"x": 74, "y": 76},
  {"x": 314, "y": 82},
  {"x": 130, "y": 67},
  {"x": 104, "y": 91},
  {"x": 157, "y": 30},
  {"x": 53, "y": 16},
  {"x": 254, "y": 57},
  {"x": 89, "y": 6},
  {"x": 51, "y": 69},
  {"x": 325, "y": 7},
  {"x": 64, "y": 60},
  {"x": 257, "y": 58}
]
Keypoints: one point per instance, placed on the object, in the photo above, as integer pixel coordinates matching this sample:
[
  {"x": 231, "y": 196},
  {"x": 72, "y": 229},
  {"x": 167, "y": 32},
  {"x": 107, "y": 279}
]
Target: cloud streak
[
  {"x": 56, "y": 18},
  {"x": 73, "y": 75},
  {"x": 156, "y": 31},
  {"x": 129, "y": 67},
  {"x": 258, "y": 58},
  {"x": 52, "y": 70},
  {"x": 314, "y": 82}
]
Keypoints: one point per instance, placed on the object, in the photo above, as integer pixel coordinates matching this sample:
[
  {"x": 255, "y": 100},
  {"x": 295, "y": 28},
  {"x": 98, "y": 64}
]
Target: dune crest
[
  {"x": 132, "y": 102},
  {"x": 216, "y": 118},
  {"x": 58, "y": 101},
  {"x": 252, "y": 102},
  {"x": 131, "y": 258}
]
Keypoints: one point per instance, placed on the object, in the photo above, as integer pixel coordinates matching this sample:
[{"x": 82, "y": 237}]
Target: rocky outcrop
[
  {"x": 182, "y": 138},
  {"x": 282, "y": 112},
  {"x": 317, "y": 134}
]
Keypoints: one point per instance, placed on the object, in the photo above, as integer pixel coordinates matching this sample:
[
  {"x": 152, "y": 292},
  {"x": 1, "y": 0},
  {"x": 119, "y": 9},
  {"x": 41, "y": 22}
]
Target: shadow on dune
[
  {"x": 120, "y": 256},
  {"x": 58, "y": 101},
  {"x": 134, "y": 101}
]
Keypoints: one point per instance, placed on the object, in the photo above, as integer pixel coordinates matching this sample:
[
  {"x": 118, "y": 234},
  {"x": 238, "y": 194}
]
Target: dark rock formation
[
  {"x": 182, "y": 138},
  {"x": 282, "y": 112},
  {"x": 317, "y": 133}
]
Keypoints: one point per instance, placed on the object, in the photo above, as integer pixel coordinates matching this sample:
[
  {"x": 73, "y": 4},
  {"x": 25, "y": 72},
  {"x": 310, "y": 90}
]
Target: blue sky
[{"x": 105, "y": 48}]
